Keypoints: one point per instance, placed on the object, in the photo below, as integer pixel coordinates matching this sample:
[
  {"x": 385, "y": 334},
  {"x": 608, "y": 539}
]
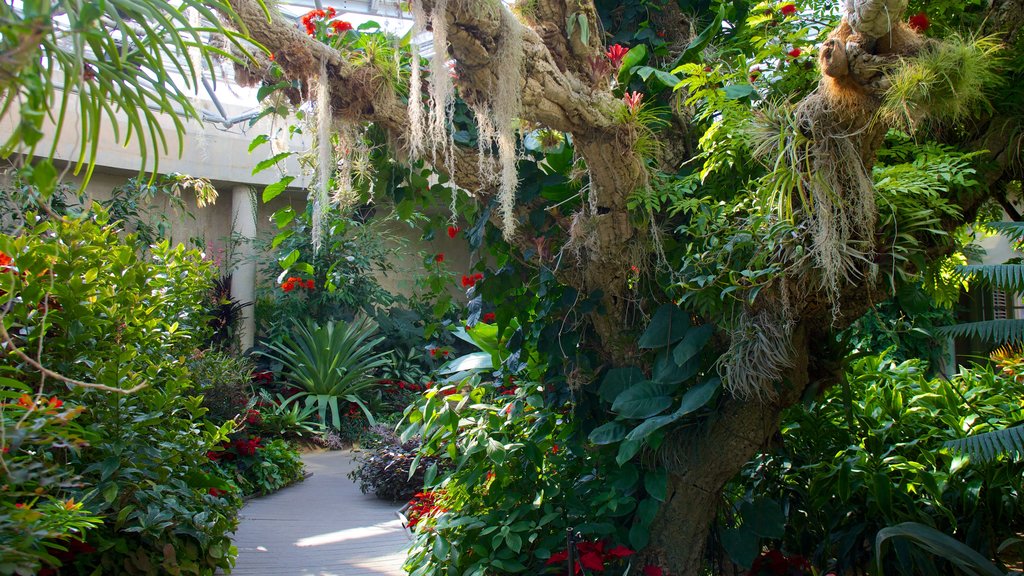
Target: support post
[{"x": 243, "y": 264}]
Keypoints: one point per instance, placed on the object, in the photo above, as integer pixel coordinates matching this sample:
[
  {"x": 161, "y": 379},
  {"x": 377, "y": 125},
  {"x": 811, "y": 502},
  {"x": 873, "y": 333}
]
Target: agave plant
[{"x": 330, "y": 363}]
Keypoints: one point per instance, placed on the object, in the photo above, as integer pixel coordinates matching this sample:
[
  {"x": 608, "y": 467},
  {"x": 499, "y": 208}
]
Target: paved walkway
[{"x": 320, "y": 527}]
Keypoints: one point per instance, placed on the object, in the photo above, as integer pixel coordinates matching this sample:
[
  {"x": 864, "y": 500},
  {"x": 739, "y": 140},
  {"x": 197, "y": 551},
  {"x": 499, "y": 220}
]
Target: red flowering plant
[
  {"x": 322, "y": 25},
  {"x": 36, "y": 515},
  {"x": 775, "y": 563},
  {"x": 591, "y": 556},
  {"x": 524, "y": 474}
]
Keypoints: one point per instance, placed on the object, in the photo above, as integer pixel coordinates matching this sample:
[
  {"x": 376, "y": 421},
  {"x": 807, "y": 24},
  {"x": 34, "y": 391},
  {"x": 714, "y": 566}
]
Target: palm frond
[
  {"x": 1008, "y": 277},
  {"x": 999, "y": 331},
  {"x": 1012, "y": 230},
  {"x": 124, "y": 62},
  {"x": 990, "y": 445}
]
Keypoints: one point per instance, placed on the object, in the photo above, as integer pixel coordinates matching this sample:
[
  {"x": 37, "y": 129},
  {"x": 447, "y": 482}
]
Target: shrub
[
  {"x": 224, "y": 381},
  {"x": 258, "y": 468},
  {"x": 36, "y": 521},
  {"x": 850, "y": 468},
  {"x": 384, "y": 468},
  {"x": 113, "y": 319},
  {"x": 519, "y": 476}
]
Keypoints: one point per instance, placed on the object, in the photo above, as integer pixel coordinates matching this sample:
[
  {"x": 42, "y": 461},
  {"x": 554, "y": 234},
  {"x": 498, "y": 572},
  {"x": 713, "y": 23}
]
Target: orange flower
[{"x": 340, "y": 26}]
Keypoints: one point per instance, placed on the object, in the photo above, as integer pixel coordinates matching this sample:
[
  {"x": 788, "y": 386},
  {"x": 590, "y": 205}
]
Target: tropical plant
[
  {"x": 139, "y": 58},
  {"x": 289, "y": 420},
  {"x": 86, "y": 292},
  {"x": 879, "y": 448},
  {"x": 330, "y": 363}
]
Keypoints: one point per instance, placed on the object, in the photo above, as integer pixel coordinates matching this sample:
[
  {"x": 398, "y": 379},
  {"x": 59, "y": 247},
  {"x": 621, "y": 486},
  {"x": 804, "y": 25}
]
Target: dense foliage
[{"x": 77, "y": 292}]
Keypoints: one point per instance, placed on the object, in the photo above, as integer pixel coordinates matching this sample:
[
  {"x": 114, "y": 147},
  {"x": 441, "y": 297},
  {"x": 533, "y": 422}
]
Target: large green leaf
[
  {"x": 609, "y": 433},
  {"x": 692, "y": 343},
  {"x": 667, "y": 327},
  {"x": 938, "y": 544},
  {"x": 694, "y": 399},
  {"x": 643, "y": 400},
  {"x": 617, "y": 380}
]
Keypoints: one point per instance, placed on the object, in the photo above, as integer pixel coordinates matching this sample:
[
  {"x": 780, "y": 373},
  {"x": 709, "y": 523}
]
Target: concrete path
[{"x": 320, "y": 527}]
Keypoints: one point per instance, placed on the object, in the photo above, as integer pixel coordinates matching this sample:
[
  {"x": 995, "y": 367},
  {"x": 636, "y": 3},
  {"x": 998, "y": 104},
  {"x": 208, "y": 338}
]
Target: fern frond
[
  {"x": 1000, "y": 331},
  {"x": 1014, "y": 231},
  {"x": 990, "y": 445},
  {"x": 1007, "y": 277}
]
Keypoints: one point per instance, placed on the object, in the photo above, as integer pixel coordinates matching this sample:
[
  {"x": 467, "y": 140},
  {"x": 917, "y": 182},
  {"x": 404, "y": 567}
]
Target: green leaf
[
  {"x": 643, "y": 400},
  {"x": 264, "y": 164},
  {"x": 617, "y": 380},
  {"x": 274, "y": 190},
  {"x": 741, "y": 544},
  {"x": 694, "y": 399},
  {"x": 737, "y": 91},
  {"x": 290, "y": 259},
  {"x": 692, "y": 343},
  {"x": 283, "y": 217},
  {"x": 667, "y": 327},
  {"x": 627, "y": 450},
  {"x": 656, "y": 484},
  {"x": 609, "y": 433},
  {"x": 764, "y": 517},
  {"x": 265, "y": 91},
  {"x": 639, "y": 536},
  {"x": 257, "y": 141},
  {"x": 937, "y": 544},
  {"x": 44, "y": 178}
]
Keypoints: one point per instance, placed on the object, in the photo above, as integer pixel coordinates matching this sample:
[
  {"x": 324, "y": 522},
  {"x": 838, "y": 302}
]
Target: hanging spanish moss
[
  {"x": 417, "y": 121},
  {"x": 496, "y": 120},
  {"x": 442, "y": 89},
  {"x": 344, "y": 195},
  {"x": 321, "y": 194}
]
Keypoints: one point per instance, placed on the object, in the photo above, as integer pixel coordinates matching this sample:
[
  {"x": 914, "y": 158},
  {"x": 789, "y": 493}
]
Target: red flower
[
  {"x": 554, "y": 448},
  {"x": 5, "y": 261},
  {"x": 340, "y": 26},
  {"x": 253, "y": 417},
  {"x": 214, "y": 455},
  {"x": 216, "y": 493},
  {"x": 788, "y": 9},
  {"x": 773, "y": 561},
  {"x": 620, "y": 552},
  {"x": 633, "y": 100},
  {"x": 650, "y": 570},
  {"x": 439, "y": 258},
  {"x": 920, "y": 22},
  {"x": 794, "y": 53},
  {"x": 592, "y": 561},
  {"x": 331, "y": 12},
  {"x": 26, "y": 402},
  {"x": 487, "y": 318},
  {"x": 288, "y": 285},
  {"x": 616, "y": 53},
  {"x": 310, "y": 285},
  {"x": 453, "y": 231},
  {"x": 558, "y": 557},
  {"x": 466, "y": 282},
  {"x": 56, "y": 402}
]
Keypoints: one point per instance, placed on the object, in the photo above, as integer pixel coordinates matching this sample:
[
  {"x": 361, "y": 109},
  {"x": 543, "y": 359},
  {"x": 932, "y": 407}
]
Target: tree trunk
[{"x": 702, "y": 463}]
